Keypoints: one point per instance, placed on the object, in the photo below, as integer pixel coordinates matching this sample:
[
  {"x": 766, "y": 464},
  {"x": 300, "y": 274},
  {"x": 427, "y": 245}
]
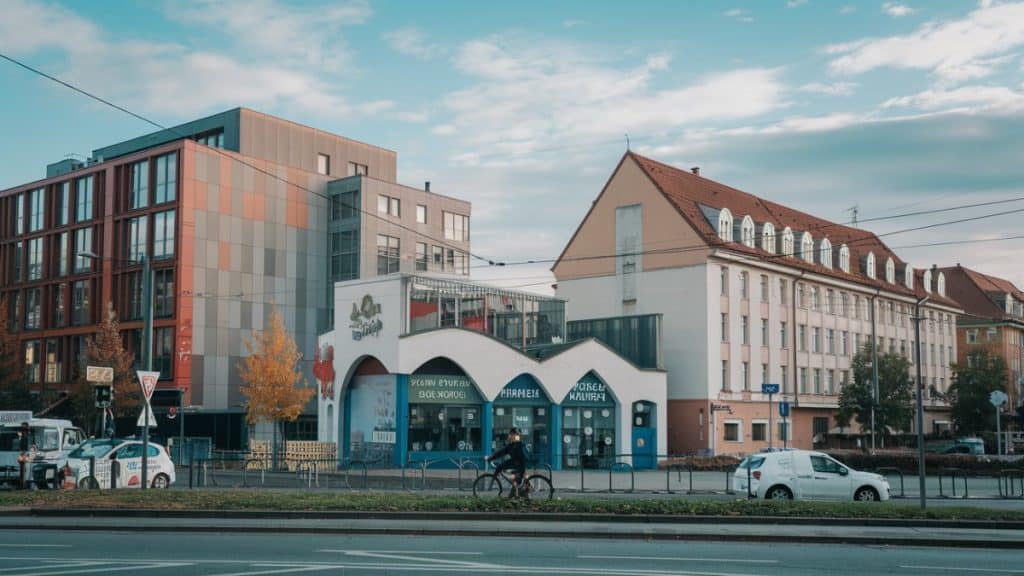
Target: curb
[{"x": 653, "y": 519}]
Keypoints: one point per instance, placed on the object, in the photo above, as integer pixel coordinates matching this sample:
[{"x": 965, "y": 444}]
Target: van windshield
[
  {"x": 43, "y": 439},
  {"x": 94, "y": 449},
  {"x": 754, "y": 462}
]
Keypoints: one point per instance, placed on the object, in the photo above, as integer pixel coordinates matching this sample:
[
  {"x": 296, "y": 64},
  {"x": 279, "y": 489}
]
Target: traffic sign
[
  {"x": 103, "y": 395},
  {"x": 784, "y": 409},
  {"x": 172, "y": 412},
  {"x": 99, "y": 374},
  {"x": 141, "y": 422},
  {"x": 769, "y": 388},
  {"x": 148, "y": 382},
  {"x": 998, "y": 398}
]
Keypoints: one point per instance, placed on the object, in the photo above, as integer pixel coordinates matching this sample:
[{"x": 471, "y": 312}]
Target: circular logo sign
[
  {"x": 588, "y": 431},
  {"x": 567, "y": 439},
  {"x": 605, "y": 413},
  {"x": 639, "y": 442},
  {"x": 608, "y": 440}
]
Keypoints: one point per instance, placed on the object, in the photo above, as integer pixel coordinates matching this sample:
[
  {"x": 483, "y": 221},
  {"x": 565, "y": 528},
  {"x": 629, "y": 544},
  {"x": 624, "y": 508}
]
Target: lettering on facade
[
  {"x": 590, "y": 392},
  {"x": 519, "y": 394},
  {"x": 433, "y": 389},
  {"x": 365, "y": 319}
]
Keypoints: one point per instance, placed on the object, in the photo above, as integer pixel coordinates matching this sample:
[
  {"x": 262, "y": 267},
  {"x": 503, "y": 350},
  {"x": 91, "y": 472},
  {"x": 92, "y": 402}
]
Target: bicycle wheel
[
  {"x": 540, "y": 487},
  {"x": 487, "y": 486}
]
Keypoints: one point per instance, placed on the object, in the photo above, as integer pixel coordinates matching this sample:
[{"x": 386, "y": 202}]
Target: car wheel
[
  {"x": 161, "y": 481},
  {"x": 89, "y": 483},
  {"x": 778, "y": 493},
  {"x": 866, "y": 494}
]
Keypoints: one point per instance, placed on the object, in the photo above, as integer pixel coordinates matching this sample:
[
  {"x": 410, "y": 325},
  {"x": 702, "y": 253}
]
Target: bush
[
  {"x": 703, "y": 463},
  {"x": 906, "y": 462}
]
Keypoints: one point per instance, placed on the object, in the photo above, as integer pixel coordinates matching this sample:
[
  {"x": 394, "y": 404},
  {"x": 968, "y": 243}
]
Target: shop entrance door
[{"x": 645, "y": 448}]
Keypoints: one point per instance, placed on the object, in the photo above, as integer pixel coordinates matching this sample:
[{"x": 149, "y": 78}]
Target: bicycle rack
[
  {"x": 465, "y": 462},
  {"x": 245, "y": 472},
  {"x": 679, "y": 469},
  {"x": 621, "y": 466},
  {"x": 365, "y": 469},
  {"x": 886, "y": 471},
  {"x": 728, "y": 483},
  {"x": 952, "y": 473},
  {"x": 1007, "y": 484}
]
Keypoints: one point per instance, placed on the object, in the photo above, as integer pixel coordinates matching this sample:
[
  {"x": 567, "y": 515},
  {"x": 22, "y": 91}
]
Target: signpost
[
  {"x": 784, "y": 413},
  {"x": 102, "y": 377},
  {"x": 770, "y": 390},
  {"x": 998, "y": 398},
  {"x": 147, "y": 380}
]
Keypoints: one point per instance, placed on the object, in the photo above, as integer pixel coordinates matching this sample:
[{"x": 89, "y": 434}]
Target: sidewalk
[{"x": 820, "y": 531}]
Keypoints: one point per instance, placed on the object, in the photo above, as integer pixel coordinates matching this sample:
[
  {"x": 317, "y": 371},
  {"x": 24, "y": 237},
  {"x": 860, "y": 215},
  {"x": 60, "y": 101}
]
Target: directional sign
[
  {"x": 784, "y": 409},
  {"x": 99, "y": 374},
  {"x": 998, "y": 398},
  {"x": 148, "y": 382},
  {"x": 769, "y": 388}
]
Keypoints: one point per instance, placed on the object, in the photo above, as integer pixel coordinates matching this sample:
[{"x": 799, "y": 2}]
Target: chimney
[
  {"x": 426, "y": 185},
  {"x": 695, "y": 170}
]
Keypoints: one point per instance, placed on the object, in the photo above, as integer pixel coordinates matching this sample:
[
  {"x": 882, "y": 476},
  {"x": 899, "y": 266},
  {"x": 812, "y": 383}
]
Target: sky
[{"x": 525, "y": 108}]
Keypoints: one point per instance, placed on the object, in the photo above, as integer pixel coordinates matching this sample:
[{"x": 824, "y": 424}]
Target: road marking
[
  {"x": 282, "y": 570},
  {"x": 51, "y": 564},
  {"x": 328, "y": 550},
  {"x": 679, "y": 559},
  {"x": 983, "y": 570},
  {"x": 411, "y": 558},
  {"x": 35, "y": 545},
  {"x": 141, "y": 565}
]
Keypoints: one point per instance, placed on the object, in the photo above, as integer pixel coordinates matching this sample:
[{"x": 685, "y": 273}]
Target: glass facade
[
  {"x": 444, "y": 414},
  {"x": 637, "y": 338},
  {"x": 588, "y": 425}
]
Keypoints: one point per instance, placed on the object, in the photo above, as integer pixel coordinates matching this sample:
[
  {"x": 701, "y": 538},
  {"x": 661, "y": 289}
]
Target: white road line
[
  {"x": 143, "y": 565},
  {"x": 328, "y": 550},
  {"x": 278, "y": 571},
  {"x": 420, "y": 559},
  {"x": 951, "y": 569},
  {"x": 51, "y": 564},
  {"x": 679, "y": 559},
  {"x": 35, "y": 545}
]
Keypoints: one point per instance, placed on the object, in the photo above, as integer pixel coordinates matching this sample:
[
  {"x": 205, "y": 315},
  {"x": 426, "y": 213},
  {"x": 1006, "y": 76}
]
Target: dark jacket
[{"x": 515, "y": 452}]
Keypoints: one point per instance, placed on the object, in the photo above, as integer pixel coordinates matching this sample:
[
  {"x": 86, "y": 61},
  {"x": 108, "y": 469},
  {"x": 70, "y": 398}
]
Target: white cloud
[
  {"x": 412, "y": 41},
  {"x": 174, "y": 79},
  {"x": 831, "y": 89},
  {"x": 444, "y": 129},
  {"x": 897, "y": 10},
  {"x": 739, "y": 14},
  {"x": 795, "y": 3},
  {"x": 954, "y": 50},
  {"x": 376, "y": 107},
  {"x": 968, "y": 98},
  {"x": 848, "y": 9},
  {"x": 573, "y": 23}
]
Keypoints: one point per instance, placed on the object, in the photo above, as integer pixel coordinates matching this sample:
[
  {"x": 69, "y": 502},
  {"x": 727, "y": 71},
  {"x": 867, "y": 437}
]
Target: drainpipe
[{"x": 874, "y": 367}]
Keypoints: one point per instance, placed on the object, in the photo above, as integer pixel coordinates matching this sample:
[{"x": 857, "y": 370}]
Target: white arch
[
  {"x": 890, "y": 271},
  {"x": 787, "y": 241},
  {"x": 908, "y": 277},
  {"x": 825, "y": 253},
  {"x": 940, "y": 284},
  {"x": 844, "y": 258},
  {"x": 927, "y": 281},
  {"x": 725, "y": 225},
  {"x": 869, "y": 264},
  {"x": 768, "y": 238},
  {"x": 807, "y": 247},
  {"x": 747, "y": 231}
]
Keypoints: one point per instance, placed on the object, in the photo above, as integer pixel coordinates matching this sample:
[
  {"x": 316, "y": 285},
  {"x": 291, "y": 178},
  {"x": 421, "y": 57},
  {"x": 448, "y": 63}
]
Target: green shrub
[{"x": 906, "y": 462}]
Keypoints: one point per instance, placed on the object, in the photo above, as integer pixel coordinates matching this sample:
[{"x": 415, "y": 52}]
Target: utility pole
[
  {"x": 147, "y": 355},
  {"x": 874, "y": 367},
  {"x": 920, "y": 401}
]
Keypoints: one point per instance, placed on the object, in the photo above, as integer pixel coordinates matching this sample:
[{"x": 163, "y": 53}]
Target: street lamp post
[{"x": 920, "y": 401}]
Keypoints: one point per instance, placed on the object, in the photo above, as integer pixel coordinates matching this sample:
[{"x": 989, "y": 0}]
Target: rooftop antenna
[
  {"x": 853, "y": 210},
  {"x": 627, "y": 142}
]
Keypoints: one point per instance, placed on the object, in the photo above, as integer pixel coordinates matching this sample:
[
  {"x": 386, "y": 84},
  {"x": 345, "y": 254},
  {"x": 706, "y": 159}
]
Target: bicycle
[{"x": 493, "y": 484}]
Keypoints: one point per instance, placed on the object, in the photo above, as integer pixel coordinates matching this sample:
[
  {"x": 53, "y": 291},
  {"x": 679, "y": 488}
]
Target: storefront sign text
[
  {"x": 442, "y": 390},
  {"x": 589, "y": 390},
  {"x": 522, "y": 390}
]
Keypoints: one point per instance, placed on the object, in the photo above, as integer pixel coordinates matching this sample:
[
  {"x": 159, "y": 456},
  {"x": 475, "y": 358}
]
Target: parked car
[
  {"x": 806, "y": 475},
  {"x": 42, "y": 443},
  {"x": 103, "y": 453}
]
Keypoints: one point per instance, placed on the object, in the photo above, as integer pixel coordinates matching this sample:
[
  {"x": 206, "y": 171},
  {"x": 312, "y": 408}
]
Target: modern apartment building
[
  {"x": 236, "y": 211},
  {"x": 751, "y": 292},
  {"x": 993, "y": 319}
]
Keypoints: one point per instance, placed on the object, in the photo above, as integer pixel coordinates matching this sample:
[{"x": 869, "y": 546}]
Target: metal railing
[
  {"x": 889, "y": 470},
  {"x": 952, "y": 474}
]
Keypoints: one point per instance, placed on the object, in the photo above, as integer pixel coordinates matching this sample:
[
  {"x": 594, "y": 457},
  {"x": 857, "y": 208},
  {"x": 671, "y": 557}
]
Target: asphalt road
[{"x": 55, "y": 553}]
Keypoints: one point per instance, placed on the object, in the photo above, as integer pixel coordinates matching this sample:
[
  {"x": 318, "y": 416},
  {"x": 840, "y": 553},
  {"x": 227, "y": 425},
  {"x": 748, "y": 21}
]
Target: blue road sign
[
  {"x": 784, "y": 409},
  {"x": 769, "y": 388}
]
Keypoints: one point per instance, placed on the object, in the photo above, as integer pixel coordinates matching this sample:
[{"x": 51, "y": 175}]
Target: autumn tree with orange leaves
[
  {"x": 271, "y": 376},
  {"x": 106, "y": 348}
]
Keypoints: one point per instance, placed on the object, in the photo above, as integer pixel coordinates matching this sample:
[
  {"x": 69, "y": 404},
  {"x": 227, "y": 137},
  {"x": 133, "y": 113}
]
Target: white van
[
  {"x": 806, "y": 475},
  {"x": 46, "y": 448}
]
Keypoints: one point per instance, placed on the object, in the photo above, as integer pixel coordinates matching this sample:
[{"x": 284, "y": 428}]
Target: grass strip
[{"x": 271, "y": 500}]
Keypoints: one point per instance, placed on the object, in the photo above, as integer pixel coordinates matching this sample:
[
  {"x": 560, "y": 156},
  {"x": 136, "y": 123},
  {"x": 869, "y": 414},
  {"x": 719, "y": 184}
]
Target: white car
[
  {"x": 127, "y": 454},
  {"x": 806, "y": 475}
]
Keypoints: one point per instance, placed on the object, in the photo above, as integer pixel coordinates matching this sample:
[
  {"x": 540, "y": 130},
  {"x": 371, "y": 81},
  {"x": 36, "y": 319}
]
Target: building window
[
  {"x": 139, "y": 192},
  {"x": 787, "y": 242},
  {"x": 725, "y": 374},
  {"x": 344, "y": 255},
  {"x": 357, "y": 169},
  {"x": 844, "y": 304},
  {"x": 461, "y": 262},
  {"x": 830, "y": 382},
  {"x": 53, "y": 363},
  {"x": 19, "y": 214},
  {"x": 801, "y": 299},
  {"x": 783, "y": 297},
  {"x": 744, "y": 281},
  {"x": 33, "y": 308},
  {"x": 83, "y": 199},
  {"x": 816, "y": 339},
  {"x": 437, "y": 257},
  {"x": 62, "y": 199},
  {"x": 35, "y": 259},
  {"x": 83, "y": 243},
  {"x": 764, "y": 288},
  {"x": 991, "y": 334},
  {"x": 844, "y": 258},
  {"x": 725, "y": 225},
  {"x": 323, "y": 164},
  {"x": 163, "y": 235},
  {"x": 59, "y": 318},
  {"x": 745, "y": 375},
  {"x": 163, "y": 352},
  {"x": 36, "y": 209},
  {"x": 768, "y": 238},
  {"x": 815, "y": 298},
  {"x": 163, "y": 293},
  {"x": 830, "y": 341},
  {"x": 387, "y": 254},
  {"x": 802, "y": 338},
  {"x": 456, "y": 227},
  {"x": 18, "y": 261},
  {"x": 745, "y": 328},
  {"x": 890, "y": 271},
  {"x": 725, "y": 327},
  {"x": 733, "y": 431},
  {"x": 213, "y": 139},
  {"x": 817, "y": 380},
  {"x": 80, "y": 315},
  {"x": 764, "y": 332},
  {"x": 759, "y": 431},
  {"x": 32, "y": 361},
  {"x": 807, "y": 248},
  {"x": 747, "y": 231},
  {"x": 785, "y": 376},
  {"x": 825, "y": 253},
  {"x": 783, "y": 341},
  {"x": 723, "y": 280},
  {"x": 389, "y": 205},
  {"x": 764, "y": 373},
  {"x": 820, "y": 426},
  {"x": 421, "y": 214},
  {"x": 166, "y": 178},
  {"x": 345, "y": 205},
  {"x": 830, "y": 304},
  {"x": 134, "y": 296},
  {"x": 421, "y": 257},
  {"x": 844, "y": 377},
  {"x": 844, "y": 343},
  {"x": 137, "y": 237},
  {"x": 869, "y": 265},
  {"x": 803, "y": 380}
]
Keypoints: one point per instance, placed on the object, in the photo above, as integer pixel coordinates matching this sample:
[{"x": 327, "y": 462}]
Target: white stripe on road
[
  {"x": 50, "y": 564},
  {"x": 951, "y": 569},
  {"x": 282, "y": 570},
  {"x": 328, "y": 550},
  {"x": 143, "y": 565},
  {"x": 679, "y": 559},
  {"x": 35, "y": 545}
]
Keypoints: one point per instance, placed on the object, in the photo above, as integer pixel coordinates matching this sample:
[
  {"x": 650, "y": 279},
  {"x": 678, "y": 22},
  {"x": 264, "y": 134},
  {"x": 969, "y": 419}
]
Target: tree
[
  {"x": 895, "y": 394},
  {"x": 969, "y": 394},
  {"x": 105, "y": 348},
  {"x": 15, "y": 393},
  {"x": 271, "y": 374}
]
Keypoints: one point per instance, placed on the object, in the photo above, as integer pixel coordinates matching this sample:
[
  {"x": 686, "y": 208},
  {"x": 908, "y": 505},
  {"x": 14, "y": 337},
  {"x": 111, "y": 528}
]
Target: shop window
[
  {"x": 733, "y": 431},
  {"x": 444, "y": 414},
  {"x": 588, "y": 425}
]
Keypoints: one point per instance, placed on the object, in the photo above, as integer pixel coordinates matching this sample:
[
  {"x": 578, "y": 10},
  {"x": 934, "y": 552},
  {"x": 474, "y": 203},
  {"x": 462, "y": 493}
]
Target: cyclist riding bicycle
[{"x": 516, "y": 456}]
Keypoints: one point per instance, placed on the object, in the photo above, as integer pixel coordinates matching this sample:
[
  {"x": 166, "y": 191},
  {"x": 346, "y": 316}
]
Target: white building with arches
[{"x": 428, "y": 368}]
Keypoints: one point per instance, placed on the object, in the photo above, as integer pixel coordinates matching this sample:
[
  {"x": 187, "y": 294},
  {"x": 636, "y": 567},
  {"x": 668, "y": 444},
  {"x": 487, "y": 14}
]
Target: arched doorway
[
  {"x": 523, "y": 404},
  {"x": 446, "y": 412},
  {"x": 589, "y": 425},
  {"x": 370, "y": 412}
]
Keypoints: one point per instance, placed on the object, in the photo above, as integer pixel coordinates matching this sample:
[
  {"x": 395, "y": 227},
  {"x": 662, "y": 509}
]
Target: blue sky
[{"x": 522, "y": 108}]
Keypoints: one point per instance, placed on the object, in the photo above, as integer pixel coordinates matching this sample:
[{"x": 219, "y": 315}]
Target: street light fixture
[
  {"x": 920, "y": 401},
  {"x": 147, "y": 344}
]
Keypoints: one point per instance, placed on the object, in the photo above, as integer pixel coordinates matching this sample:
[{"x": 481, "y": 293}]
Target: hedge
[{"x": 906, "y": 462}]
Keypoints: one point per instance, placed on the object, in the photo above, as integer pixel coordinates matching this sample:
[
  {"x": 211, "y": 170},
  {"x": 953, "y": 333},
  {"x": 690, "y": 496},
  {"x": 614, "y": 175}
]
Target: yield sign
[{"x": 148, "y": 382}]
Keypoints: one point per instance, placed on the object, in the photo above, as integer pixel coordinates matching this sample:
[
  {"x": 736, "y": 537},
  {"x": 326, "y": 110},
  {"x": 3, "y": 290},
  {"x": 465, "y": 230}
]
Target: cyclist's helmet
[{"x": 513, "y": 433}]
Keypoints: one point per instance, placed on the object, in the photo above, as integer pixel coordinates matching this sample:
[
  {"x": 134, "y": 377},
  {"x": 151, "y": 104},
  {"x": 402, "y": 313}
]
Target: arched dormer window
[
  {"x": 844, "y": 258},
  {"x": 908, "y": 277},
  {"x": 927, "y": 281},
  {"x": 869, "y": 265},
  {"x": 807, "y": 248},
  {"x": 787, "y": 242},
  {"x": 825, "y": 253},
  {"x": 768, "y": 238},
  {"x": 747, "y": 232},
  {"x": 725, "y": 225},
  {"x": 940, "y": 284},
  {"x": 890, "y": 271}
]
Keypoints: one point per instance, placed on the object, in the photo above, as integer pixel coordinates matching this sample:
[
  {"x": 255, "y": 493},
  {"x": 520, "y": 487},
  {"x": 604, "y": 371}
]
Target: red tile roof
[
  {"x": 688, "y": 191},
  {"x": 977, "y": 292}
]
